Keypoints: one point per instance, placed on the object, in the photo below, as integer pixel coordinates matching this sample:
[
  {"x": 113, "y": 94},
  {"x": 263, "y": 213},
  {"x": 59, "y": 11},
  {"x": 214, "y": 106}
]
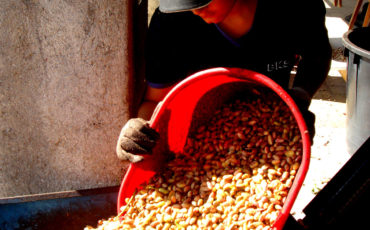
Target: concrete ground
[{"x": 329, "y": 151}]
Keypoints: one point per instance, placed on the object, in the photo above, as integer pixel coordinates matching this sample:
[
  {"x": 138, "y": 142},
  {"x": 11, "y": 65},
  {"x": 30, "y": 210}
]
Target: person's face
[{"x": 216, "y": 11}]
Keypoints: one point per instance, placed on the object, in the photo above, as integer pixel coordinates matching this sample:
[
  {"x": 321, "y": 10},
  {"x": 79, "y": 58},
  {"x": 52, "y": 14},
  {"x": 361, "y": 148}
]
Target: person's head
[{"x": 211, "y": 11}]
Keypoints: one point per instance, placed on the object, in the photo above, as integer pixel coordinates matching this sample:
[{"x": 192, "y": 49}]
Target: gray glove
[{"x": 136, "y": 137}]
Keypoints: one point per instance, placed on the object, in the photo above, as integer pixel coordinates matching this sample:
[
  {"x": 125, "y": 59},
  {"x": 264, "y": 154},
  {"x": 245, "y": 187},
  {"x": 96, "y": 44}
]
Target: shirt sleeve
[
  {"x": 315, "y": 47},
  {"x": 166, "y": 54}
]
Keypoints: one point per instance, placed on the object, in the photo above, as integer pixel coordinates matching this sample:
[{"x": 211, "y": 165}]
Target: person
[{"x": 267, "y": 36}]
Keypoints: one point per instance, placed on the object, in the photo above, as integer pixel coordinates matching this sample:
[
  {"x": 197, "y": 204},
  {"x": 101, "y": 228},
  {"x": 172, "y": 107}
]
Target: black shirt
[{"x": 180, "y": 44}]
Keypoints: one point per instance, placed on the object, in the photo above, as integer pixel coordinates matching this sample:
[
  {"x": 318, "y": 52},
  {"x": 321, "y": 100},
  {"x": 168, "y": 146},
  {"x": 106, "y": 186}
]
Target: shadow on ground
[{"x": 333, "y": 89}]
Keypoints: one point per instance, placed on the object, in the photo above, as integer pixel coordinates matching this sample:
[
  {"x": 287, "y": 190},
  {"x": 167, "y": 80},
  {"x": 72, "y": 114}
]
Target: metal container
[{"x": 357, "y": 44}]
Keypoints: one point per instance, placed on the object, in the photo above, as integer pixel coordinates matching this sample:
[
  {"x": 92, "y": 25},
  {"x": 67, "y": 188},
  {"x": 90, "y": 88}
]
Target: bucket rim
[{"x": 352, "y": 46}]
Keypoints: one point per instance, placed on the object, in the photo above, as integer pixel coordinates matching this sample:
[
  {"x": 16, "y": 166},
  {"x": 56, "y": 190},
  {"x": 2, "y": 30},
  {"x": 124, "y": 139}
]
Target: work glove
[
  {"x": 136, "y": 138},
  {"x": 303, "y": 101}
]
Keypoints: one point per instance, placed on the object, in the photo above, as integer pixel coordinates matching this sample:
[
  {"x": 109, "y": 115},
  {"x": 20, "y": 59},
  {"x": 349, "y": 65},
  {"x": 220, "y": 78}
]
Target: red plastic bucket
[{"x": 203, "y": 91}]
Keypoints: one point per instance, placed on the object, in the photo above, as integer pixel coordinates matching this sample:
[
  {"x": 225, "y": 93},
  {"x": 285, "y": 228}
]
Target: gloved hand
[
  {"x": 303, "y": 101},
  {"x": 136, "y": 137}
]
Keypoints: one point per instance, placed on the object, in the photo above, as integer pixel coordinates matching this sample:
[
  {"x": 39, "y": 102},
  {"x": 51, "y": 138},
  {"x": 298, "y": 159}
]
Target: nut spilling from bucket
[{"x": 235, "y": 173}]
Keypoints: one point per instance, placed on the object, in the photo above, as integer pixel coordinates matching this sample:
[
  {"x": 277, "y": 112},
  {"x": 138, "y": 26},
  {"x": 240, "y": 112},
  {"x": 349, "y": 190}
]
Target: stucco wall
[{"x": 65, "y": 72}]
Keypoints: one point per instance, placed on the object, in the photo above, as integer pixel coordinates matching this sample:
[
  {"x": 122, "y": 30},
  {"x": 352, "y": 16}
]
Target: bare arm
[{"x": 151, "y": 99}]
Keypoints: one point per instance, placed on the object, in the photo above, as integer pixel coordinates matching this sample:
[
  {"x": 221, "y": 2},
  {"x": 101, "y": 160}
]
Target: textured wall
[{"x": 64, "y": 93}]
